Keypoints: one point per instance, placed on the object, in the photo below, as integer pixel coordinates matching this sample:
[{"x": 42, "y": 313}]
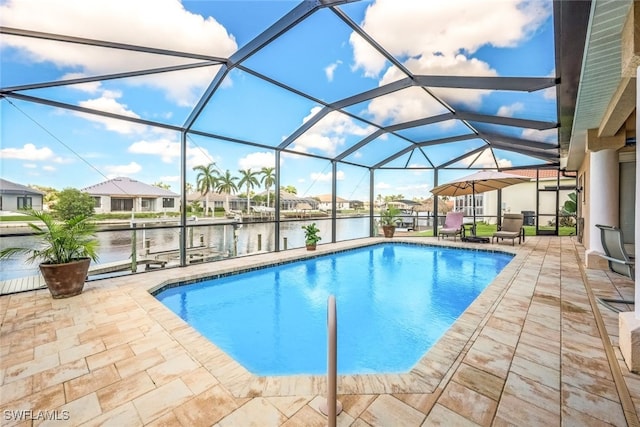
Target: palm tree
[
  {"x": 248, "y": 179},
  {"x": 268, "y": 179},
  {"x": 289, "y": 189},
  {"x": 226, "y": 184},
  {"x": 206, "y": 181}
]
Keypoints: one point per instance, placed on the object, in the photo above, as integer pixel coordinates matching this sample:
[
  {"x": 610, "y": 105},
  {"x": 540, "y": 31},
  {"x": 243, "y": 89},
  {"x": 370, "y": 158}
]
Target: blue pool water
[{"x": 394, "y": 301}]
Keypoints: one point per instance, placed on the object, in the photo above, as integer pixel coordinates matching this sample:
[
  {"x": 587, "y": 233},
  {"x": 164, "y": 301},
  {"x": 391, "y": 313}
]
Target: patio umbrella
[{"x": 478, "y": 182}]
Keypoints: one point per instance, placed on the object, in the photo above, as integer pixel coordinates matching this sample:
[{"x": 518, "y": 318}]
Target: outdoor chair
[
  {"x": 619, "y": 261},
  {"x": 511, "y": 228},
  {"x": 452, "y": 225},
  {"x": 616, "y": 255}
]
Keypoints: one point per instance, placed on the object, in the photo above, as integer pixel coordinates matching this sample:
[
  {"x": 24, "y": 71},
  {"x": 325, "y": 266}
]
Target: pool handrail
[{"x": 332, "y": 407}]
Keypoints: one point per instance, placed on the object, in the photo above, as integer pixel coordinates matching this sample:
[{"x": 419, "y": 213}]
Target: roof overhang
[{"x": 601, "y": 86}]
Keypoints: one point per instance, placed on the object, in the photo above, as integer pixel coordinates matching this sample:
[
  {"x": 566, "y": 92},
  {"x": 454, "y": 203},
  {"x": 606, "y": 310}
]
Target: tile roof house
[
  {"x": 327, "y": 205},
  {"x": 536, "y": 199},
  {"x": 218, "y": 200},
  {"x": 16, "y": 197},
  {"x": 124, "y": 194}
]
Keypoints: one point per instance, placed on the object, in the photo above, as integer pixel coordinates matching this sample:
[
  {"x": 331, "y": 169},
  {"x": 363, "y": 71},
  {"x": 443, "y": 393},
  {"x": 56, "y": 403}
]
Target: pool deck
[{"x": 534, "y": 349}]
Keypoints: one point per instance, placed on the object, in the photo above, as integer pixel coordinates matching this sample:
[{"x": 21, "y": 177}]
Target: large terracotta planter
[
  {"x": 65, "y": 280},
  {"x": 311, "y": 247},
  {"x": 388, "y": 230}
]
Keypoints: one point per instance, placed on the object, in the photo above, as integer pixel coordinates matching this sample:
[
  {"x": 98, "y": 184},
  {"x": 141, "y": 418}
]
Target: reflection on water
[{"x": 116, "y": 245}]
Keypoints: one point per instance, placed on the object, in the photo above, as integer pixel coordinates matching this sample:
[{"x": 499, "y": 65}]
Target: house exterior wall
[
  {"x": 140, "y": 204},
  {"x": 627, "y": 195},
  {"x": 103, "y": 204},
  {"x": 585, "y": 199},
  {"x": 584, "y": 178},
  {"x": 521, "y": 197},
  {"x": 10, "y": 201},
  {"x": 327, "y": 206}
]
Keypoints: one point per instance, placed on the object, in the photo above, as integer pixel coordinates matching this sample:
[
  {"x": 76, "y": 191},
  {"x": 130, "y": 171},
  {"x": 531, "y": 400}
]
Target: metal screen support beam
[
  {"x": 276, "y": 202},
  {"x": 371, "y": 203},
  {"x": 435, "y": 202},
  {"x": 183, "y": 198},
  {"x": 334, "y": 199}
]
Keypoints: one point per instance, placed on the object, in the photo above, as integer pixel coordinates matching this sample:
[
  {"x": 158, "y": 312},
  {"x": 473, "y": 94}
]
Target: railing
[{"x": 332, "y": 407}]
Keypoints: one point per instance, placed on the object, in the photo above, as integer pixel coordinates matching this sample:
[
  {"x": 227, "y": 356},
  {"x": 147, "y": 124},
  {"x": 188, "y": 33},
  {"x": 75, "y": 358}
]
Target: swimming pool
[{"x": 394, "y": 301}]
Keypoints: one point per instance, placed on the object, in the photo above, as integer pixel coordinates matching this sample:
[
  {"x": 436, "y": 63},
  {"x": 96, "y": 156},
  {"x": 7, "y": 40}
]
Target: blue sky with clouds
[{"x": 321, "y": 57}]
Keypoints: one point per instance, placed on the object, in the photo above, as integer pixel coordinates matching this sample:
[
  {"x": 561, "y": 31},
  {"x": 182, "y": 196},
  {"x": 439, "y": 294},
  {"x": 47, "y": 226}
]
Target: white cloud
[
  {"x": 27, "y": 152},
  {"x": 108, "y": 103},
  {"x": 29, "y": 166},
  {"x": 550, "y": 94},
  {"x": 510, "y": 110},
  {"x": 329, "y": 133},
  {"x": 170, "y": 178},
  {"x": 383, "y": 186},
  {"x": 486, "y": 160},
  {"x": 548, "y": 135},
  {"x": 418, "y": 168},
  {"x": 414, "y": 188},
  {"x": 258, "y": 160},
  {"x": 330, "y": 70},
  {"x": 439, "y": 38},
  {"x": 199, "y": 156},
  {"x": 326, "y": 177},
  {"x": 167, "y": 150},
  {"x": 414, "y": 103},
  {"x": 49, "y": 168},
  {"x": 417, "y": 165},
  {"x": 114, "y": 171},
  {"x": 445, "y": 28},
  {"x": 90, "y": 87},
  {"x": 157, "y": 23}
]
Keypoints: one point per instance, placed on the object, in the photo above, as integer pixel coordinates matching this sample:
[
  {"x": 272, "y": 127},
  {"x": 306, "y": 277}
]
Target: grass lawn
[
  {"x": 487, "y": 230},
  {"x": 15, "y": 218}
]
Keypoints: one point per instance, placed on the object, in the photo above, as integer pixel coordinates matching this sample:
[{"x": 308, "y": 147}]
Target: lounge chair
[
  {"x": 511, "y": 228},
  {"x": 616, "y": 255},
  {"x": 452, "y": 225},
  {"x": 619, "y": 260}
]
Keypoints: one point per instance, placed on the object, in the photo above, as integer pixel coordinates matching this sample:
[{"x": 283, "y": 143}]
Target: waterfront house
[
  {"x": 17, "y": 197},
  {"x": 326, "y": 203},
  {"x": 124, "y": 194}
]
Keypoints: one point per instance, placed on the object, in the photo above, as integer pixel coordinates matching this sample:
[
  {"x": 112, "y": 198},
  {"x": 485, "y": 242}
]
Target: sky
[{"x": 319, "y": 61}]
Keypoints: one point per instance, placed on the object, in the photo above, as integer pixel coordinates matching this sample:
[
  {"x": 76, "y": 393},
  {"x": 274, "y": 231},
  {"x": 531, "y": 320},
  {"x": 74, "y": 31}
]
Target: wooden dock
[
  {"x": 21, "y": 284},
  {"x": 33, "y": 282},
  {"x": 193, "y": 254}
]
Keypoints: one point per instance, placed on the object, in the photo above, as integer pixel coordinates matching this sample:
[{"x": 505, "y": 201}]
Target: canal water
[{"x": 226, "y": 239}]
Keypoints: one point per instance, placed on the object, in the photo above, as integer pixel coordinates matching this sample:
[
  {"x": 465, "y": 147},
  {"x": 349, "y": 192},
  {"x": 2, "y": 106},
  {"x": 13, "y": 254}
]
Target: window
[
  {"x": 465, "y": 204},
  {"x": 96, "y": 201},
  {"x": 24, "y": 202},
  {"x": 168, "y": 202},
  {"x": 121, "y": 205}
]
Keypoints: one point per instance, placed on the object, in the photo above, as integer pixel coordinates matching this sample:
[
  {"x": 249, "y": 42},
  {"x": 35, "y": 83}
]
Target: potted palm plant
[
  {"x": 311, "y": 236},
  {"x": 65, "y": 251},
  {"x": 389, "y": 220}
]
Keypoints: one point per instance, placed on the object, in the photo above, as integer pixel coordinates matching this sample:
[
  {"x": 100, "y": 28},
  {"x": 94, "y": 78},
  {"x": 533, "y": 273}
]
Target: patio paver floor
[{"x": 528, "y": 351}]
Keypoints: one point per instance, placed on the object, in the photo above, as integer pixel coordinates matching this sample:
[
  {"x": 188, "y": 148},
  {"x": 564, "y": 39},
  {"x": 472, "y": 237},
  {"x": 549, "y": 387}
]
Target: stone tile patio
[{"x": 534, "y": 349}]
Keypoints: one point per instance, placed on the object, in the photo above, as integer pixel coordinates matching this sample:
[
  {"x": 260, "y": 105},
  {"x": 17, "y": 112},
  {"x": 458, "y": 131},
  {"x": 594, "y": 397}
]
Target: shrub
[{"x": 72, "y": 203}]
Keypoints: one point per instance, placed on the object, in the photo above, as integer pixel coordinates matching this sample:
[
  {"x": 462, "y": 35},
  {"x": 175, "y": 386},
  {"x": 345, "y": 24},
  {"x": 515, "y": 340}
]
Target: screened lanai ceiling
[{"x": 379, "y": 84}]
